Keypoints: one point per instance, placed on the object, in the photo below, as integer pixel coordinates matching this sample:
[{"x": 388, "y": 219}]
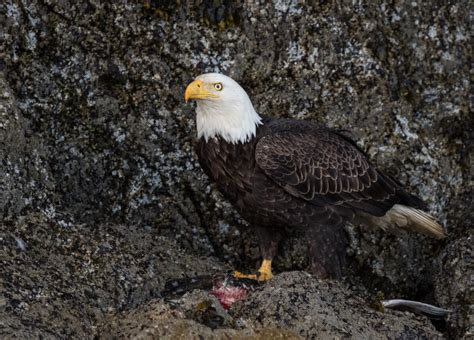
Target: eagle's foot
[
  {"x": 239, "y": 275},
  {"x": 264, "y": 273}
]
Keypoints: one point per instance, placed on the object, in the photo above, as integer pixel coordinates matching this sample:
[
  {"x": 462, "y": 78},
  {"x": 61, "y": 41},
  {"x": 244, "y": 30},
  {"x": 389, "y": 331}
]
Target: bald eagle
[{"x": 287, "y": 174}]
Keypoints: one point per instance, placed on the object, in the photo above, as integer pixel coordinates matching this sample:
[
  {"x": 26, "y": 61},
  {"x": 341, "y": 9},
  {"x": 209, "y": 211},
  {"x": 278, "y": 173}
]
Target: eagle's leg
[
  {"x": 328, "y": 251},
  {"x": 269, "y": 240}
]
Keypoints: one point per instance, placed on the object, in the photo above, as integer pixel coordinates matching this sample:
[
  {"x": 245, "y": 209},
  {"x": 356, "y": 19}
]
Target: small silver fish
[{"x": 430, "y": 311}]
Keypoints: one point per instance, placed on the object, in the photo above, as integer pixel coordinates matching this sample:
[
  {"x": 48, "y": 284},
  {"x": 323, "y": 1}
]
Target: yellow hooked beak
[{"x": 196, "y": 90}]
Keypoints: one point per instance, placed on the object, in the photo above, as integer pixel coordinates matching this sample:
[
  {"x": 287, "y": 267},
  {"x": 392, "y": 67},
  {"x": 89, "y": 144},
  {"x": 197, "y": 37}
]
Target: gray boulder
[{"x": 96, "y": 144}]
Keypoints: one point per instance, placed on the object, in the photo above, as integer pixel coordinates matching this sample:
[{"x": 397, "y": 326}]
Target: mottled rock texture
[
  {"x": 294, "y": 306},
  {"x": 94, "y": 134}
]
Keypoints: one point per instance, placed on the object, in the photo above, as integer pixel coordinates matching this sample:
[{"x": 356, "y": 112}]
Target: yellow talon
[
  {"x": 239, "y": 275},
  {"x": 264, "y": 273}
]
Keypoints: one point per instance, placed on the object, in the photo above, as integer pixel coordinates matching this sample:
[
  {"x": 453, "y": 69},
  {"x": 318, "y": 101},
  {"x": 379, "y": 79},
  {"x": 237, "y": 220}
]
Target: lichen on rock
[{"x": 99, "y": 179}]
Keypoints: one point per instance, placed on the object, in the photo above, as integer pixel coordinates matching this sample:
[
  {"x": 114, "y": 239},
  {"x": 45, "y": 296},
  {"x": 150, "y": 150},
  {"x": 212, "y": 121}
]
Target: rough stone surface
[
  {"x": 455, "y": 283},
  {"x": 59, "y": 282},
  {"x": 293, "y": 305},
  {"x": 318, "y": 309},
  {"x": 96, "y": 143},
  {"x": 193, "y": 316}
]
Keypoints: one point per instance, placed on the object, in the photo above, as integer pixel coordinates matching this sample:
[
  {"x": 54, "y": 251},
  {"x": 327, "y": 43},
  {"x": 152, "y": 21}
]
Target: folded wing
[{"x": 325, "y": 168}]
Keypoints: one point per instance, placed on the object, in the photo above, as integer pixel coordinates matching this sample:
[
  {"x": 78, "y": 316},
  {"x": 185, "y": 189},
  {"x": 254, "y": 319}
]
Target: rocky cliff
[{"x": 102, "y": 199}]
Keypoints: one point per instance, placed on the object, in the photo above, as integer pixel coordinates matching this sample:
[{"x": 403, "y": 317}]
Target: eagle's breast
[{"x": 230, "y": 165}]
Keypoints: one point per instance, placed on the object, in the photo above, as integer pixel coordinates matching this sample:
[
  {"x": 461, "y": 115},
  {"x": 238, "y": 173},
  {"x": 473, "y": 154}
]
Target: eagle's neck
[{"x": 235, "y": 122}]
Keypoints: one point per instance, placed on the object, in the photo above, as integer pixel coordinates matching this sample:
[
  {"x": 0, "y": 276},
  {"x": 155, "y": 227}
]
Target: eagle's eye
[{"x": 218, "y": 86}]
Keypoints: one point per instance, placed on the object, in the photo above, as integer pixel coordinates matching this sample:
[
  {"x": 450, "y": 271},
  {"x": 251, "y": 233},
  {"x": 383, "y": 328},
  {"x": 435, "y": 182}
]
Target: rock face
[
  {"x": 293, "y": 305},
  {"x": 98, "y": 175},
  {"x": 60, "y": 282}
]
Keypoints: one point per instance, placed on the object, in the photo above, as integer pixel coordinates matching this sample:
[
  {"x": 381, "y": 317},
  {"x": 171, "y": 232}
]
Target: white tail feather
[{"x": 401, "y": 216}]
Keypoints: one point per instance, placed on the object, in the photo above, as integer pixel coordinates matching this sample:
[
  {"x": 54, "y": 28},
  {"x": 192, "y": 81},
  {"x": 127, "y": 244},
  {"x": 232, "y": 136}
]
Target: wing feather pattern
[{"x": 323, "y": 167}]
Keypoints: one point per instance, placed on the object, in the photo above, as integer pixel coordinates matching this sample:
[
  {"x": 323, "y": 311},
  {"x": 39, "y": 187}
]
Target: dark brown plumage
[
  {"x": 301, "y": 175},
  {"x": 283, "y": 175}
]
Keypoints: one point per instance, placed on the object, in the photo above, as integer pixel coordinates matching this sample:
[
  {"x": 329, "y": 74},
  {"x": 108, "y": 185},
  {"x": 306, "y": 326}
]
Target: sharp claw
[
  {"x": 263, "y": 274},
  {"x": 259, "y": 276}
]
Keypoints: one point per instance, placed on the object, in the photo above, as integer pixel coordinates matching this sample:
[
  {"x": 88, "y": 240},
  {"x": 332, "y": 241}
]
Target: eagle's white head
[{"x": 223, "y": 108}]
